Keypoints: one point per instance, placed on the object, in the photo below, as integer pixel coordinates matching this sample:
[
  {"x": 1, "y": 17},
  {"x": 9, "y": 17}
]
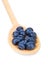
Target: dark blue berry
[
  {"x": 33, "y": 34},
  {"x": 15, "y": 41},
  {"x": 20, "y": 28},
  {"x": 21, "y": 45},
  {"x": 22, "y": 33},
  {"x": 28, "y": 39},
  {"x": 30, "y": 46},
  {"x": 19, "y": 37},
  {"x": 15, "y": 33},
  {"x": 28, "y": 30}
]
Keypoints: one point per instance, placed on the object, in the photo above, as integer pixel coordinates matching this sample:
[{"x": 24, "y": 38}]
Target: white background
[{"x": 32, "y": 13}]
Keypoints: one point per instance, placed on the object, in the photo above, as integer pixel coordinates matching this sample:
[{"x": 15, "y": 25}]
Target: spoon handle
[{"x": 10, "y": 13}]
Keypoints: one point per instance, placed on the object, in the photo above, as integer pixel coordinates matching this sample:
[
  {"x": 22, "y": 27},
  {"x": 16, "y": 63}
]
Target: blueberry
[
  {"x": 21, "y": 45},
  {"x": 30, "y": 46},
  {"x": 28, "y": 39},
  {"x": 15, "y": 33},
  {"x": 19, "y": 37},
  {"x": 28, "y": 30},
  {"x": 15, "y": 41},
  {"x": 19, "y": 28},
  {"x": 22, "y": 33},
  {"x": 33, "y": 34}
]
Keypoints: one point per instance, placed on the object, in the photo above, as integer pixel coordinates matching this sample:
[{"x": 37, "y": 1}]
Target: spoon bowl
[{"x": 16, "y": 47}]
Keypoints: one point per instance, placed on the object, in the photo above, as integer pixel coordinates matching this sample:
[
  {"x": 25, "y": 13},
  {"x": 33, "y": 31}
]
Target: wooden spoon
[{"x": 15, "y": 25}]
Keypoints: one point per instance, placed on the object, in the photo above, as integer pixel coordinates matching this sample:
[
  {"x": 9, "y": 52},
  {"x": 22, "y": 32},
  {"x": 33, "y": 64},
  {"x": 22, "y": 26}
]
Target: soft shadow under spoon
[{"x": 15, "y": 25}]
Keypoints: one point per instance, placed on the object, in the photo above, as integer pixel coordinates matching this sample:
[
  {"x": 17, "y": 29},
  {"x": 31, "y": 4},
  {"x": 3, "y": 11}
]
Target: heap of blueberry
[{"x": 24, "y": 39}]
